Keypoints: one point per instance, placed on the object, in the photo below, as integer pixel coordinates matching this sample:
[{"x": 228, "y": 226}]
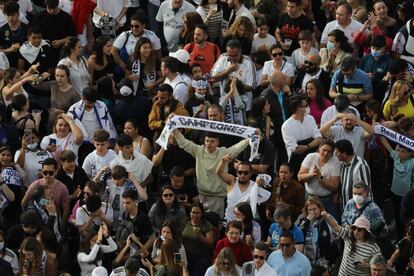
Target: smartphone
[
  {"x": 177, "y": 258},
  {"x": 52, "y": 141}
]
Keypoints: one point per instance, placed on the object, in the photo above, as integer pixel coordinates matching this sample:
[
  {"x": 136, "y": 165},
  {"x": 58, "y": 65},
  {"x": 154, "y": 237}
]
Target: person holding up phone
[
  {"x": 359, "y": 245},
  {"x": 66, "y": 135}
]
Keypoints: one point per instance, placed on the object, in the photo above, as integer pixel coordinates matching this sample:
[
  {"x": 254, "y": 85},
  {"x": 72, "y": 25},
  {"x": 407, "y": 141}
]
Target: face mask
[
  {"x": 32, "y": 146},
  {"x": 359, "y": 199},
  {"x": 375, "y": 54},
  {"x": 307, "y": 111},
  {"x": 1, "y": 245},
  {"x": 330, "y": 45},
  {"x": 199, "y": 96}
]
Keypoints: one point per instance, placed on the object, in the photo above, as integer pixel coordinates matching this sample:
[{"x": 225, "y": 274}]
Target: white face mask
[
  {"x": 307, "y": 112},
  {"x": 359, "y": 199}
]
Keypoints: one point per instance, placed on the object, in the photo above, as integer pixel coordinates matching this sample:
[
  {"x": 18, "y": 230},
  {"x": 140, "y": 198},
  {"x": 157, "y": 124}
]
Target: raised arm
[
  {"x": 326, "y": 128},
  {"x": 331, "y": 221},
  {"x": 226, "y": 177}
]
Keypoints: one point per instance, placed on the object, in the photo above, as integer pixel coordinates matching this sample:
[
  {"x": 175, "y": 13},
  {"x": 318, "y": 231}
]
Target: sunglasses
[
  {"x": 354, "y": 228},
  {"x": 225, "y": 263},
  {"x": 167, "y": 195},
  {"x": 46, "y": 173},
  {"x": 259, "y": 257},
  {"x": 307, "y": 62},
  {"x": 277, "y": 54},
  {"x": 135, "y": 26},
  {"x": 243, "y": 172}
]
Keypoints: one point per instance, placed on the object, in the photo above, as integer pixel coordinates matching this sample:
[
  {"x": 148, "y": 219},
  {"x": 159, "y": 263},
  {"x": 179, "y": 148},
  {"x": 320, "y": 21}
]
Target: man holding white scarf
[{"x": 212, "y": 189}]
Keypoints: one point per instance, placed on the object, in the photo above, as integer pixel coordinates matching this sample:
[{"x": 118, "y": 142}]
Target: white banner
[
  {"x": 211, "y": 126},
  {"x": 395, "y": 136}
]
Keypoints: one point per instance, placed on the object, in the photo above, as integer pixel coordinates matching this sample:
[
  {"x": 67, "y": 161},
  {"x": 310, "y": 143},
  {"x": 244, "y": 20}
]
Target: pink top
[
  {"x": 59, "y": 193},
  {"x": 316, "y": 112}
]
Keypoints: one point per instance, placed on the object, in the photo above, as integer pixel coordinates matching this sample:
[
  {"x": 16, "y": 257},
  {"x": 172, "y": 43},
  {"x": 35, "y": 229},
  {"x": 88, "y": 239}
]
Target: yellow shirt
[{"x": 407, "y": 110}]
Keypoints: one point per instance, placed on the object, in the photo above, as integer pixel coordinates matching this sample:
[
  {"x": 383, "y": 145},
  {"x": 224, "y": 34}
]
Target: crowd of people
[{"x": 89, "y": 89}]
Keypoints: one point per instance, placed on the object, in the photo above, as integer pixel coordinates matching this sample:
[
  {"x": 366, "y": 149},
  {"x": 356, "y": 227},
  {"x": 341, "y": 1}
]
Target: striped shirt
[
  {"x": 362, "y": 253},
  {"x": 357, "y": 170}
]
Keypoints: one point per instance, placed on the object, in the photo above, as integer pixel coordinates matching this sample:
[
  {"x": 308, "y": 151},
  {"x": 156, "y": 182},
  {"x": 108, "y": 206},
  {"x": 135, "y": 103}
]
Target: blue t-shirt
[
  {"x": 403, "y": 176},
  {"x": 275, "y": 231}
]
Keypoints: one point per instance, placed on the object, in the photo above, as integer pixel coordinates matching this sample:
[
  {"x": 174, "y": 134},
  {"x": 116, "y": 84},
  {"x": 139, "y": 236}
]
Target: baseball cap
[
  {"x": 182, "y": 55},
  {"x": 99, "y": 271},
  {"x": 125, "y": 87}
]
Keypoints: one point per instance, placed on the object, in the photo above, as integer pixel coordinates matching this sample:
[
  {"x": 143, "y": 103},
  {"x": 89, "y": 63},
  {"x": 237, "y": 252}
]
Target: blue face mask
[
  {"x": 330, "y": 45},
  {"x": 375, "y": 54},
  {"x": 32, "y": 146}
]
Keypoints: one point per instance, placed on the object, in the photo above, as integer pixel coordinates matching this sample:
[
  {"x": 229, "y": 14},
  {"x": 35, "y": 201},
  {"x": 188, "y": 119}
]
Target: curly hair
[
  {"x": 242, "y": 20},
  {"x": 398, "y": 91},
  {"x": 226, "y": 254}
]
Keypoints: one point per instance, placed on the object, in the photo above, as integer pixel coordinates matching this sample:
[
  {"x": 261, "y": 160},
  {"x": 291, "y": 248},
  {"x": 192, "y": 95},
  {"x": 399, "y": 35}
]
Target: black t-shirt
[
  {"x": 142, "y": 226},
  {"x": 188, "y": 189},
  {"x": 266, "y": 155},
  {"x": 8, "y": 37},
  {"x": 291, "y": 27},
  {"x": 55, "y": 26}
]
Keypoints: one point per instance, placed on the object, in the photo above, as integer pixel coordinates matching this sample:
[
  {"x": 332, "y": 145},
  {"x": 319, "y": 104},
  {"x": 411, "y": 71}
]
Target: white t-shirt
[
  {"x": 82, "y": 216},
  {"x": 295, "y": 130},
  {"x": 173, "y": 21},
  {"x": 93, "y": 163},
  {"x": 211, "y": 271},
  {"x": 298, "y": 58},
  {"x": 79, "y": 75},
  {"x": 258, "y": 42},
  {"x": 331, "y": 168},
  {"x": 132, "y": 41},
  {"x": 113, "y": 8},
  {"x": 349, "y": 30},
  {"x": 180, "y": 88},
  {"x": 4, "y": 62},
  {"x": 66, "y": 143},
  {"x": 139, "y": 165},
  {"x": 32, "y": 163},
  {"x": 66, "y": 6},
  {"x": 25, "y": 6},
  {"x": 90, "y": 122},
  {"x": 246, "y": 73},
  {"x": 287, "y": 69}
]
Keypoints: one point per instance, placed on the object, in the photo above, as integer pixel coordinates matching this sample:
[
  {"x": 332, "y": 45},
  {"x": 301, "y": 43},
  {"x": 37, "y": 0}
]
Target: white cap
[
  {"x": 182, "y": 55},
  {"x": 99, "y": 271},
  {"x": 125, "y": 91}
]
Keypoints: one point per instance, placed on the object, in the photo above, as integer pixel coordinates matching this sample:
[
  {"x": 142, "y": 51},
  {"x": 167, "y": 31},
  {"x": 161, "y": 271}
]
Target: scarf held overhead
[
  {"x": 211, "y": 126},
  {"x": 395, "y": 136}
]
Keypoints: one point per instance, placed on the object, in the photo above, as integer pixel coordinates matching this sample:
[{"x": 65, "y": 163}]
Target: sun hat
[{"x": 364, "y": 223}]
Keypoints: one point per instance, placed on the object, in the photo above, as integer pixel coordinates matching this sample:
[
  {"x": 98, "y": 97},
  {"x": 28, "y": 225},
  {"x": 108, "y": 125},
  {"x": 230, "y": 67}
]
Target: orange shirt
[{"x": 206, "y": 56}]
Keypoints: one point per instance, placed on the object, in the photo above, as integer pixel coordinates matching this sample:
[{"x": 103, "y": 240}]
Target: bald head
[
  {"x": 315, "y": 59},
  {"x": 277, "y": 80}
]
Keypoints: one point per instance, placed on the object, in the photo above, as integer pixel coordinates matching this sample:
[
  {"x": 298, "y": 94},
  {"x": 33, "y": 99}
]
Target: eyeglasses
[
  {"x": 285, "y": 245},
  {"x": 309, "y": 62},
  {"x": 167, "y": 195},
  {"x": 354, "y": 228},
  {"x": 46, "y": 173},
  {"x": 243, "y": 172},
  {"x": 259, "y": 257},
  {"x": 277, "y": 54}
]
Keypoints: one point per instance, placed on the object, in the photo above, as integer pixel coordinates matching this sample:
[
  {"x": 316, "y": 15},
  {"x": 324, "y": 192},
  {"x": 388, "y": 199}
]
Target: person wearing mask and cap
[
  {"x": 130, "y": 106},
  {"x": 341, "y": 103},
  {"x": 200, "y": 100}
]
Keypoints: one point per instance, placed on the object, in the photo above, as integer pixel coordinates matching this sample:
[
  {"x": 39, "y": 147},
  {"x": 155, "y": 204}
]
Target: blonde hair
[
  {"x": 225, "y": 254},
  {"x": 312, "y": 200},
  {"x": 242, "y": 20},
  {"x": 397, "y": 93}
]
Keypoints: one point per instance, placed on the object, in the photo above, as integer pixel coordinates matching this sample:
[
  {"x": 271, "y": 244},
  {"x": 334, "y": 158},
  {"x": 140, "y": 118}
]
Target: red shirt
[
  {"x": 206, "y": 56},
  {"x": 241, "y": 250}
]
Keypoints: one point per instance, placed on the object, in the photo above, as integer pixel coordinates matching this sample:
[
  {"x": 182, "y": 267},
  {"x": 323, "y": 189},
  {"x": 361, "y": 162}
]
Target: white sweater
[{"x": 86, "y": 260}]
